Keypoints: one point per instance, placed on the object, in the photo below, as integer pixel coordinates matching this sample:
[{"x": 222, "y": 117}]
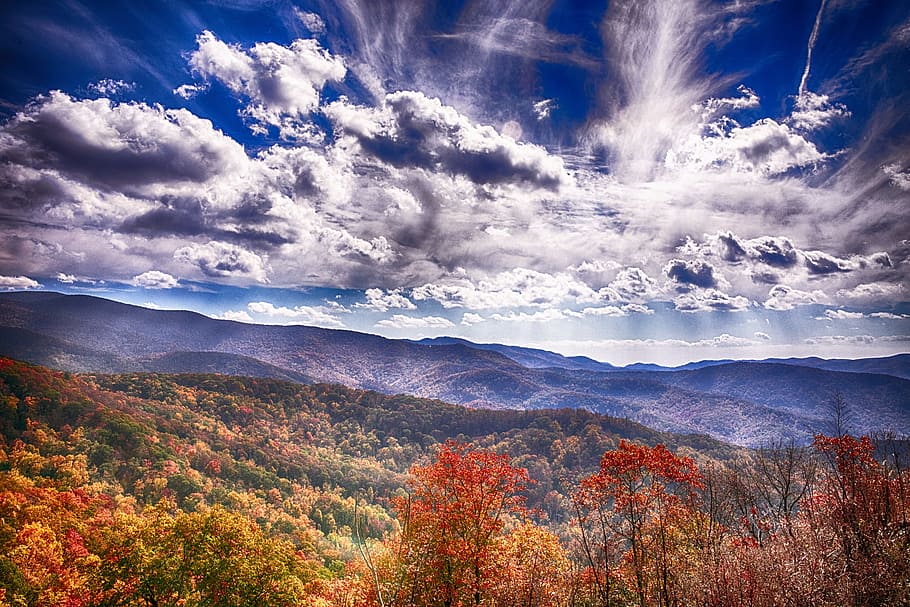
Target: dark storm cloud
[{"x": 696, "y": 273}]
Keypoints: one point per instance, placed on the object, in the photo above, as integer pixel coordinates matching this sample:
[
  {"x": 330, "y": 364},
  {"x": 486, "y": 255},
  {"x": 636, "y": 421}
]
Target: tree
[
  {"x": 532, "y": 568},
  {"x": 210, "y": 558},
  {"x": 451, "y": 523},
  {"x": 637, "y": 497}
]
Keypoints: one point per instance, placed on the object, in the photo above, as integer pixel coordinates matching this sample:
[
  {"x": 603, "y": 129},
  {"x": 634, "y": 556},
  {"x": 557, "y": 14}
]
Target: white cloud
[
  {"x": 236, "y": 316},
  {"x": 841, "y": 315},
  {"x": 685, "y": 272},
  {"x": 873, "y": 292},
  {"x": 131, "y": 147},
  {"x": 631, "y": 285},
  {"x": 382, "y": 301},
  {"x": 898, "y": 178},
  {"x": 66, "y": 278},
  {"x": 710, "y": 300},
  {"x": 188, "y": 91},
  {"x": 469, "y": 319},
  {"x": 613, "y": 311},
  {"x": 414, "y": 130},
  {"x": 221, "y": 259},
  {"x": 518, "y": 288},
  {"x": 782, "y": 298},
  {"x": 18, "y": 282},
  {"x": 107, "y": 86},
  {"x": 714, "y": 107},
  {"x": 404, "y": 202},
  {"x": 539, "y": 316},
  {"x": 543, "y": 108},
  {"x": 319, "y": 316},
  {"x": 812, "y": 111},
  {"x": 889, "y": 316},
  {"x": 856, "y": 339},
  {"x": 311, "y": 21},
  {"x": 154, "y": 279},
  {"x": 283, "y": 83},
  {"x": 762, "y": 336},
  {"x": 765, "y": 148},
  {"x": 400, "y": 321}
]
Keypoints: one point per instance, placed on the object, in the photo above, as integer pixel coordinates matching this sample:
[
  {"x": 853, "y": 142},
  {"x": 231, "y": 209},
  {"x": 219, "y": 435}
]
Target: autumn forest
[{"x": 162, "y": 490}]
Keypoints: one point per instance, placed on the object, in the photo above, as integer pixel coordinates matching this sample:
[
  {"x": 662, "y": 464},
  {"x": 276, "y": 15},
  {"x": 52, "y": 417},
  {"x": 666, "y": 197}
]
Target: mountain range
[{"x": 742, "y": 402}]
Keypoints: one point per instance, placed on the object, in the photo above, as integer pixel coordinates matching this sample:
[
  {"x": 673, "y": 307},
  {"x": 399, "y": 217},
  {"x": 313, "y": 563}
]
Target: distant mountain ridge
[{"x": 740, "y": 402}]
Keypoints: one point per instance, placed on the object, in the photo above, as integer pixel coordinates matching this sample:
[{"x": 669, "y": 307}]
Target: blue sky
[{"x": 661, "y": 180}]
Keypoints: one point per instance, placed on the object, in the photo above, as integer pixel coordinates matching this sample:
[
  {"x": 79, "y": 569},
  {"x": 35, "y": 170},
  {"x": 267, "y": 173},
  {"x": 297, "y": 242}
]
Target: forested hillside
[
  {"x": 744, "y": 403},
  {"x": 149, "y": 489}
]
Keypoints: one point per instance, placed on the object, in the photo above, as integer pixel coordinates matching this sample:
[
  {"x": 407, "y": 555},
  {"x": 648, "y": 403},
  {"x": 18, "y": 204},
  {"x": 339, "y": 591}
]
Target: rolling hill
[{"x": 740, "y": 402}]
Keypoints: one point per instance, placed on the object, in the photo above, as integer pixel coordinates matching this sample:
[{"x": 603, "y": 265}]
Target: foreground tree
[
  {"x": 631, "y": 513},
  {"x": 451, "y": 525},
  {"x": 214, "y": 557}
]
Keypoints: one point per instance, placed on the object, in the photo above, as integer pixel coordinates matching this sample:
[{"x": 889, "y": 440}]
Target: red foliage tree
[
  {"x": 450, "y": 523},
  {"x": 634, "y": 501}
]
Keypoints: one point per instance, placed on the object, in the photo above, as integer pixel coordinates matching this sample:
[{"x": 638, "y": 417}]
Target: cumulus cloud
[
  {"x": 283, "y": 83},
  {"x": 538, "y": 316},
  {"x": 818, "y": 262},
  {"x": 400, "y": 321},
  {"x": 154, "y": 279},
  {"x": 15, "y": 283},
  {"x": 766, "y": 148},
  {"x": 518, "y": 288},
  {"x": 783, "y": 298},
  {"x": 774, "y": 251},
  {"x": 236, "y": 316},
  {"x": 382, "y": 301},
  {"x": 714, "y": 107},
  {"x": 66, "y": 278},
  {"x": 710, "y": 300},
  {"x": 319, "y": 316},
  {"x": 221, "y": 259},
  {"x": 469, "y": 319},
  {"x": 633, "y": 285},
  {"x": 821, "y": 263},
  {"x": 841, "y": 315},
  {"x": 125, "y": 146},
  {"x": 612, "y": 311},
  {"x": 188, "y": 91},
  {"x": 812, "y": 111},
  {"x": 413, "y": 130},
  {"x": 872, "y": 292},
  {"x": 889, "y": 316},
  {"x": 698, "y": 273},
  {"x": 762, "y": 336},
  {"x": 780, "y": 253}
]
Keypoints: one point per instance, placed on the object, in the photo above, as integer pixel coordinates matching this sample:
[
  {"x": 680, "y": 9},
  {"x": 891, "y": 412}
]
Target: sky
[{"x": 635, "y": 181}]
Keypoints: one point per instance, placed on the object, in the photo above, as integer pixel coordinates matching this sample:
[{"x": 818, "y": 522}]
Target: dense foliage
[{"x": 147, "y": 489}]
